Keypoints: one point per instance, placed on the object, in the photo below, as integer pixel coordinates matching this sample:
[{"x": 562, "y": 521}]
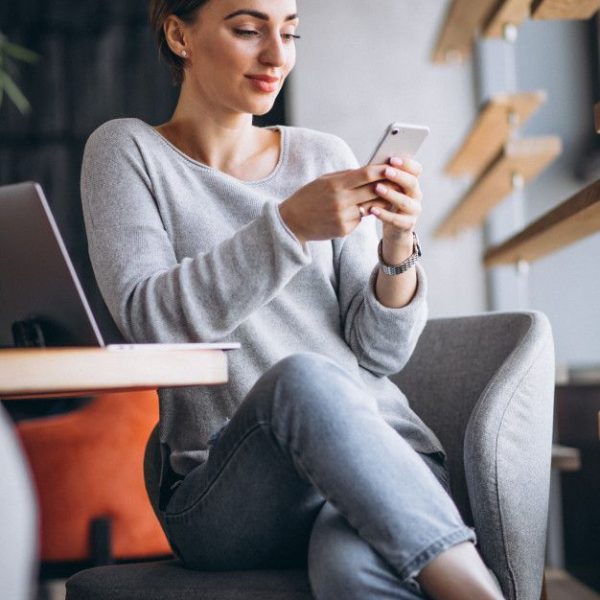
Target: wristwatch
[{"x": 405, "y": 265}]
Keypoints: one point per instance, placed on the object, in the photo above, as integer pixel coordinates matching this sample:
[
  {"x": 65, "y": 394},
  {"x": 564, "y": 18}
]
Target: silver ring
[{"x": 362, "y": 211}]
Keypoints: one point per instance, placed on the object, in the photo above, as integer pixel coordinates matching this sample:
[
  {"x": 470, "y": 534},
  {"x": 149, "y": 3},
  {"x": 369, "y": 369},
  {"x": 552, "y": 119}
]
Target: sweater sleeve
[
  {"x": 151, "y": 296},
  {"x": 382, "y": 338}
]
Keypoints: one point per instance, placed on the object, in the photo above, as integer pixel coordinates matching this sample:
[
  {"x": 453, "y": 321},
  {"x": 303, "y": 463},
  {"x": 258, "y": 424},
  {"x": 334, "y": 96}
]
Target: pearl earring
[{"x": 184, "y": 54}]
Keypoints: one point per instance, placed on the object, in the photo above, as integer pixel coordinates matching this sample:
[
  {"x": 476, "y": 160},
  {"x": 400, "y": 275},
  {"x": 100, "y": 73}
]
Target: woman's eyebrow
[{"x": 257, "y": 14}]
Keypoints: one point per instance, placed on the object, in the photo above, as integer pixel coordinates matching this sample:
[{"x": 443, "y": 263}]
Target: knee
[
  {"x": 307, "y": 380},
  {"x": 302, "y": 366},
  {"x": 339, "y": 574},
  {"x": 340, "y": 563}
]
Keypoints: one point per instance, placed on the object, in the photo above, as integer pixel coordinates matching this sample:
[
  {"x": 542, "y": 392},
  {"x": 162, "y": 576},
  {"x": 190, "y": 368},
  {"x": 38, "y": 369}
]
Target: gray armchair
[{"x": 485, "y": 385}]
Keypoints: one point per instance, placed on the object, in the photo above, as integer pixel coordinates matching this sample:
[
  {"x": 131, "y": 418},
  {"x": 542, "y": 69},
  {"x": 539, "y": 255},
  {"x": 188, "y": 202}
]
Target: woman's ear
[{"x": 175, "y": 36}]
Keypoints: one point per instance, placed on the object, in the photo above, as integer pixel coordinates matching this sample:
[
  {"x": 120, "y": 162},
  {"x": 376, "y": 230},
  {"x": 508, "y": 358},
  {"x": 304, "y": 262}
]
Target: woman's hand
[
  {"x": 332, "y": 205},
  {"x": 403, "y": 194}
]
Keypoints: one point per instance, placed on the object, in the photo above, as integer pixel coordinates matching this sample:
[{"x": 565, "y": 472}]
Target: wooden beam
[
  {"x": 597, "y": 117},
  {"x": 526, "y": 157},
  {"x": 461, "y": 26},
  {"x": 491, "y": 131},
  {"x": 512, "y": 12},
  {"x": 564, "y": 9},
  {"x": 572, "y": 220}
]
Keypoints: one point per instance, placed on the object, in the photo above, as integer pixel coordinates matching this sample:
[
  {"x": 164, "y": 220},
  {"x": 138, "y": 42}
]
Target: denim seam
[
  {"x": 213, "y": 480},
  {"x": 410, "y": 568}
]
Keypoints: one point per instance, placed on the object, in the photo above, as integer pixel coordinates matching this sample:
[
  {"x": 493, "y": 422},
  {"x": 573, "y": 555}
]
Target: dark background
[
  {"x": 578, "y": 422},
  {"x": 98, "y": 61}
]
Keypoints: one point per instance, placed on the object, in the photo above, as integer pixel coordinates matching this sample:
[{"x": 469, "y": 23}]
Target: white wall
[
  {"x": 565, "y": 285},
  {"x": 364, "y": 64}
]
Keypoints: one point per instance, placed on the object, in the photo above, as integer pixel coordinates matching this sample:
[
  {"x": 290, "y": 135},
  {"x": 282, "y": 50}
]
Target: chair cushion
[
  {"x": 169, "y": 580},
  {"x": 88, "y": 464}
]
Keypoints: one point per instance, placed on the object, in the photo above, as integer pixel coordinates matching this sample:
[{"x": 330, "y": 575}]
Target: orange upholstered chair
[{"x": 88, "y": 466}]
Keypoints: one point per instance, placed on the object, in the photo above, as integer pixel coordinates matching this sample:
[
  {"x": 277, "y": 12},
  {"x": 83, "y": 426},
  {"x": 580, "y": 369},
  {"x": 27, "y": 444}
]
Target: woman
[{"x": 207, "y": 228}]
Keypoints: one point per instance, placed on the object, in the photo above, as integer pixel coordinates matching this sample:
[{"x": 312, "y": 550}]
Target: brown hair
[{"x": 159, "y": 11}]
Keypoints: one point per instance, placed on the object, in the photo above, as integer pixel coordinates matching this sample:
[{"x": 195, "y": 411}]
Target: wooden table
[{"x": 51, "y": 372}]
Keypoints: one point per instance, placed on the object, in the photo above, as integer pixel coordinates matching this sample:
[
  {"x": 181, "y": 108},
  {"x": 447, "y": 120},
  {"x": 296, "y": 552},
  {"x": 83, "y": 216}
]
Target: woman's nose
[{"x": 274, "y": 52}]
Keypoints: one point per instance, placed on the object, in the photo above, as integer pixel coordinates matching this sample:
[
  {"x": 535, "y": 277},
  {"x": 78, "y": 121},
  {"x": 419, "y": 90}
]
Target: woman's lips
[{"x": 264, "y": 85}]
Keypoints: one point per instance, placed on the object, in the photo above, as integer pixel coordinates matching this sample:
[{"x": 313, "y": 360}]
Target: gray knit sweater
[{"x": 183, "y": 252}]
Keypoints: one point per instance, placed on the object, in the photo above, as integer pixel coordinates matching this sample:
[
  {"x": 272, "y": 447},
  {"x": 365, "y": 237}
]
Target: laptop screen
[{"x": 39, "y": 289}]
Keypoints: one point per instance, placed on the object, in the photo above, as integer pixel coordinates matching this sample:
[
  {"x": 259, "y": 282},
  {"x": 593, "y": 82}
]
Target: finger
[
  {"x": 363, "y": 194},
  {"x": 400, "y": 221},
  {"x": 399, "y": 200},
  {"x": 378, "y": 203},
  {"x": 408, "y": 182},
  {"x": 408, "y": 164},
  {"x": 364, "y": 175},
  {"x": 352, "y": 213}
]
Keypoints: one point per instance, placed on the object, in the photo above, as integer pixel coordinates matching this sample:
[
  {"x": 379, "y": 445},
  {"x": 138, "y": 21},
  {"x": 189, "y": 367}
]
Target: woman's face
[{"x": 231, "y": 43}]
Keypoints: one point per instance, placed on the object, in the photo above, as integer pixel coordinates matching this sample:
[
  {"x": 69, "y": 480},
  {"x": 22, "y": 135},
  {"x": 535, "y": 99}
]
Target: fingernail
[
  {"x": 380, "y": 188},
  {"x": 389, "y": 172},
  {"x": 396, "y": 161}
]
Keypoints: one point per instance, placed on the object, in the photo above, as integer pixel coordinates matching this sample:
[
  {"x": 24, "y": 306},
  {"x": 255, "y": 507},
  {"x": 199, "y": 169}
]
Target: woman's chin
[
  {"x": 260, "y": 106},
  {"x": 260, "y": 113}
]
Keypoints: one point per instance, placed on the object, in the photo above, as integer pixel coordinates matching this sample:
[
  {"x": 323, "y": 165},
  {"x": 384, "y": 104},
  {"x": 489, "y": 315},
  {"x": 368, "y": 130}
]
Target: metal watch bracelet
[{"x": 405, "y": 265}]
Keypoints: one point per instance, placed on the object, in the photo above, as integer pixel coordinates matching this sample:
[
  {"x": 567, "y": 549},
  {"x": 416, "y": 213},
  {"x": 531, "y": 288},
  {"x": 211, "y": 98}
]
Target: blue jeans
[{"x": 308, "y": 474}]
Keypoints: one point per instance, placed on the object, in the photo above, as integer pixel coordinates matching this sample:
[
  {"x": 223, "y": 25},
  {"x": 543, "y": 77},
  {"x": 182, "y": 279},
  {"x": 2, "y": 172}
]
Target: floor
[
  {"x": 52, "y": 590},
  {"x": 561, "y": 586}
]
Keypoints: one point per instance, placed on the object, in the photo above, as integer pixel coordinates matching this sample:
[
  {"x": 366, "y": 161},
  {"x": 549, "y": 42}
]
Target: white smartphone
[{"x": 399, "y": 139}]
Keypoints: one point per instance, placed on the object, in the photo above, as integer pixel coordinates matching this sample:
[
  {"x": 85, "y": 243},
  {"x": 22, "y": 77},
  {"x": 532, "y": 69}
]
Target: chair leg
[{"x": 101, "y": 541}]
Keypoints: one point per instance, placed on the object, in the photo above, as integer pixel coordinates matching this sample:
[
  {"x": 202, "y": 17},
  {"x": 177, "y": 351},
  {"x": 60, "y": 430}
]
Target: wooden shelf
[
  {"x": 512, "y": 12},
  {"x": 466, "y": 19},
  {"x": 461, "y": 27},
  {"x": 564, "y": 9},
  {"x": 47, "y": 372},
  {"x": 527, "y": 157},
  {"x": 572, "y": 220},
  {"x": 491, "y": 131}
]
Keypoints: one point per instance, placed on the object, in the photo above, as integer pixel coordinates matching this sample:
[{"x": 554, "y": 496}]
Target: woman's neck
[{"x": 219, "y": 139}]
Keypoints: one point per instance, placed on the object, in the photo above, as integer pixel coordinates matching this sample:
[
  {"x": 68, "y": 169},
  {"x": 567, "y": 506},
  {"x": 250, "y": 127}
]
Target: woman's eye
[
  {"x": 246, "y": 32},
  {"x": 249, "y": 33}
]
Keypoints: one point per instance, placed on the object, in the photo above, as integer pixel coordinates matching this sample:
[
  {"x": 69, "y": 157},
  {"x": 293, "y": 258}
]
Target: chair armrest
[{"x": 485, "y": 385}]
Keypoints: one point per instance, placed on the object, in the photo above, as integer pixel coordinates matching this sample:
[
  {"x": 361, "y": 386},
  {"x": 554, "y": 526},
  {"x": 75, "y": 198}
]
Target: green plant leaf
[
  {"x": 19, "y": 52},
  {"x": 14, "y": 93}
]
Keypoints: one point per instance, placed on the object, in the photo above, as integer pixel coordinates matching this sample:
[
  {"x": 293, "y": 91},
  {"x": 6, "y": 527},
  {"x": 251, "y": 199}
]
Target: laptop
[{"x": 42, "y": 301}]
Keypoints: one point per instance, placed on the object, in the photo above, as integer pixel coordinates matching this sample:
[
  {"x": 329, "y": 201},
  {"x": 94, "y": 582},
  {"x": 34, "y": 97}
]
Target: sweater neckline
[{"x": 282, "y": 154}]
